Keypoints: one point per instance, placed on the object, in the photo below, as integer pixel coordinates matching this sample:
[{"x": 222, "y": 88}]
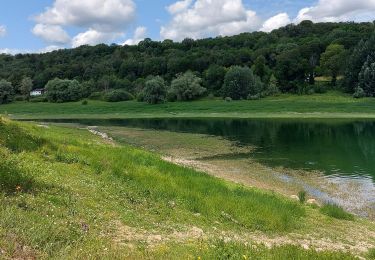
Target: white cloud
[
  {"x": 179, "y": 6},
  {"x": 103, "y": 20},
  {"x": 51, "y": 33},
  {"x": 338, "y": 10},
  {"x": 210, "y": 18},
  {"x": 3, "y": 30},
  {"x": 276, "y": 22},
  {"x": 140, "y": 34},
  {"x": 93, "y": 37}
]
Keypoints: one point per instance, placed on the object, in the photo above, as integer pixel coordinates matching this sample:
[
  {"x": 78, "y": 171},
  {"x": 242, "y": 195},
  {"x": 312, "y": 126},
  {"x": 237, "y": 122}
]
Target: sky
[{"x": 46, "y": 25}]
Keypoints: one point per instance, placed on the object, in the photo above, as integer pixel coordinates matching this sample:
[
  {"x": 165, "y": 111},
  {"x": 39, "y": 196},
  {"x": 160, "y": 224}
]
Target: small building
[{"x": 37, "y": 92}]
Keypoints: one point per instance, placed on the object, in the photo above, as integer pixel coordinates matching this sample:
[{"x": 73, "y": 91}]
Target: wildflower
[
  {"x": 18, "y": 188},
  {"x": 244, "y": 257}
]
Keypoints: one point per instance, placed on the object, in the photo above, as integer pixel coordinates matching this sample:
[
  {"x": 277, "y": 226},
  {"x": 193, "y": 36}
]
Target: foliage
[
  {"x": 335, "y": 211},
  {"x": 26, "y": 87},
  {"x": 118, "y": 95},
  {"x": 240, "y": 82},
  {"x": 292, "y": 53},
  {"x": 332, "y": 61},
  {"x": 366, "y": 77},
  {"x": 186, "y": 87},
  {"x": 155, "y": 91},
  {"x": 363, "y": 51},
  {"x": 60, "y": 90},
  {"x": 302, "y": 196},
  {"x": 6, "y": 92}
]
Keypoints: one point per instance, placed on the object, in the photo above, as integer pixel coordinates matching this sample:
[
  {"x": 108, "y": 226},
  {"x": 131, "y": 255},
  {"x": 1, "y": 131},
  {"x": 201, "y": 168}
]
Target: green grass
[
  {"x": 335, "y": 211},
  {"x": 68, "y": 194},
  {"x": 331, "y": 105}
]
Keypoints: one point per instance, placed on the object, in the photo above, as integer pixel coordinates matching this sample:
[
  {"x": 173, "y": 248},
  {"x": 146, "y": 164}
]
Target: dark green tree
[
  {"x": 63, "y": 90},
  {"x": 333, "y": 60},
  {"x": 239, "y": 83},
  {"x": 6, "y": 92}
]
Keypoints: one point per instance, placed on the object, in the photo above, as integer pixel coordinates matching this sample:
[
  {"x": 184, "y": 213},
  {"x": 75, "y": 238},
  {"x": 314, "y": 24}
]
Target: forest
[{"x": 300, "y": 59}]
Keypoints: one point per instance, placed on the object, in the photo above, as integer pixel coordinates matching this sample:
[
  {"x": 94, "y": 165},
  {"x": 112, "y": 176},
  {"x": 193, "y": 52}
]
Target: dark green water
[{"x": 339, "y": 148}]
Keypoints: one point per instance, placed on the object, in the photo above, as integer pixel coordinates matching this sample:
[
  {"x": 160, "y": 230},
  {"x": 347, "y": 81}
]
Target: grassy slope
[
  {"x": 65, "y": 193},
  {"x": 332, "y": 105}
]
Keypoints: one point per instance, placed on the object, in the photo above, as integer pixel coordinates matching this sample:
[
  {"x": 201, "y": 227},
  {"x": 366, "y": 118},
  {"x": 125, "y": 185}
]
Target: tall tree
[
  {"x": 26, "y": 87},
  {"x": 332, "y": 61},
  {"x": 6, "y": 92}
]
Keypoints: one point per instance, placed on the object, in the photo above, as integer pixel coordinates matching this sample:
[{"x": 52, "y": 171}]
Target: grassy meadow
[
  {"x": 66, "y": 193},
  {"x": 329, "y": 105}
]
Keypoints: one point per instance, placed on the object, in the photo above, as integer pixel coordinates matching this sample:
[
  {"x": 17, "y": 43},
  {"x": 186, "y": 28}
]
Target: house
[{"x": 37, "y": 92}]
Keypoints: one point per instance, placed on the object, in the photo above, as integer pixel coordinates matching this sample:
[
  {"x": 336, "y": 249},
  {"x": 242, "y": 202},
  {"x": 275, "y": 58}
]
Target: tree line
[{"x": 245, "y": 66}]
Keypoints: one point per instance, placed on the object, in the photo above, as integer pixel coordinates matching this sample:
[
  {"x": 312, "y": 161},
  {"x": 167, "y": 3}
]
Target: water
[{"x": 338, "y": 148}]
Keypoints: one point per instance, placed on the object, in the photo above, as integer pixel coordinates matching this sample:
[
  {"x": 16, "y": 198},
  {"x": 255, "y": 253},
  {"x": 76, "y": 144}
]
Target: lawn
[
  {"x": 329, "y": 105},
  {"x": 66, "y": 193}
]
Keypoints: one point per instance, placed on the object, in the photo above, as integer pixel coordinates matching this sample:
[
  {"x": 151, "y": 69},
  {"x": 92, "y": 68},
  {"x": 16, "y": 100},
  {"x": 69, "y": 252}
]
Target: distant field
[{"x": 330, "y": 105}]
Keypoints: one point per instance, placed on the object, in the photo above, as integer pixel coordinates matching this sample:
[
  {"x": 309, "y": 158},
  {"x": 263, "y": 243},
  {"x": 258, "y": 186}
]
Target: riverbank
[
  {"x": 67, "y": 193},
  {"x": 329, "y": 105}
]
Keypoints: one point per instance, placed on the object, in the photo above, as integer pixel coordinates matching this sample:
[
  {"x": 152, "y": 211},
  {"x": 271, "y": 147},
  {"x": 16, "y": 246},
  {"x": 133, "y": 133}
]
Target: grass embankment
[
  {"x": 65, "y": 193},
  {"x": 330, "y": 105}
]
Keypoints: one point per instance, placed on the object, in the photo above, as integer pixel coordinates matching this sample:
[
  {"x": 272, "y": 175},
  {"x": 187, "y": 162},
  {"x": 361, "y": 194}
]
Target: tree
[
  {"x": 26, "y": 87},
  {"x": 214, "y": 78},
  {"x": 272, "y": 88},
  {"x": 63, "y": 90},
  {"x": 6, "y": 92},
  {"x": 187, "y": 87},
  {"x": 118, "y": 95},
  {"x": 360, "y": 54},
  {"x": 332, "y": 61},
  {"x": 239, "y": 83},
  {"x": 155, "y": 91},
  {"x": 260, "y": 68},
  {"x": 367, "y": 78}
]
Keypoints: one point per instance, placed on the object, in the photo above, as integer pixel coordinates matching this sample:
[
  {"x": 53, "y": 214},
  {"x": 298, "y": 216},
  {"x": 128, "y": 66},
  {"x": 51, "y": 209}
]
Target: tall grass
[{"x": 336, "y": 211}]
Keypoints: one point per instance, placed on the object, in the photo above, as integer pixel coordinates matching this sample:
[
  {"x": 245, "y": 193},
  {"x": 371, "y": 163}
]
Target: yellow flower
[{"x": 18, "y": 188}]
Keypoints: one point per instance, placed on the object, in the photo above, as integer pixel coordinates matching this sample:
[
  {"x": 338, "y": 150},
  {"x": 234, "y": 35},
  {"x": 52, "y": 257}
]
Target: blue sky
[{"x": 39, "y": 25}]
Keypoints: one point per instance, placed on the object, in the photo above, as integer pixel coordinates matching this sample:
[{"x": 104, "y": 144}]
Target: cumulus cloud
[
  {"x": 103, "y": 20},
  {"x": 140, "y": 34},
  {"x": 208, "y": 18},
  {"x": 51, "y": 33},
  {"x": 93, "y": 37},
  {"x": 338, "y": 10},
  {"x": 179, "y": 6},
  {"x": 276, "y": 22},
  {"x": 3, "y": 30}
]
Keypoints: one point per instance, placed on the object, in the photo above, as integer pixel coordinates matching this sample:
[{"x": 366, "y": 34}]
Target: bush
[
  {"x": 228, "y": 99},
  {"x": 39, "y": 99},
  {"x": 155, "y": 91},
  {"x": 359, "y": 93},
  {"x": 118, "y": 95},
  {"x": 96, "y": 96},
  {"x": 19, "y": 98},
  {"x": 63, "y": 90},
  {"x": 335, "y": 211},
  {"x": 85, "y": 102},
  {"x": 186, "y": 87}
]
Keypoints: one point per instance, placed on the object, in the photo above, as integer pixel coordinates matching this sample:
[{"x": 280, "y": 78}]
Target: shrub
[
  {"x": 39, "y": 99},
  {"x": 228, "y": 99},
  {"x": 302, "y": 196},
  {"x": 118, "y": 95},
  {"x": 19, "y": 98},
  {"x": 63, "y": 90},
  {"x": 155, "y": 91},
  {"x": 6, "y": 92},
  {"x": 96, "y": 96},
  {"x": 85, "y": 102},
  {"x": 335, "y": 211},
  {"x": 359, "y": 93},
  {"x": 187, "y": 87}
]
